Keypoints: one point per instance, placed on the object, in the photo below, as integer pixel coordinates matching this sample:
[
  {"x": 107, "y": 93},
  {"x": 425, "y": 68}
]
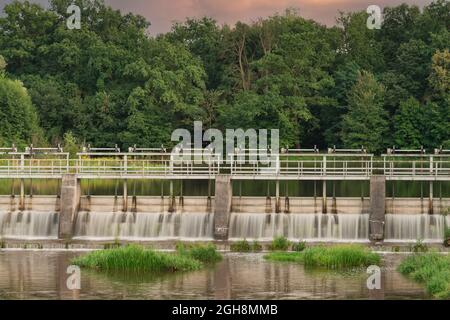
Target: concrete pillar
[
  {"x": 70, "y": 201},
  {"x": 125, "y": 195},
  {"x": 22, "y": 195},
  {"x": 324, "y": 196},
  {"x": 430, "y": 201},
  {"x": 222, "y": 208},
  {"x": 277, "y": 197},
  {"x": 377, "y": 207}
]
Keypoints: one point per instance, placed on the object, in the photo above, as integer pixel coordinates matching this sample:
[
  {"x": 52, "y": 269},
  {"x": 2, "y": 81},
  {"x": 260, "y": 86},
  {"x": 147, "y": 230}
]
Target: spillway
[
  {"x": 28, "y": 225},
  {"x": 410, "y": 227},
  {"x": 312, "y": 227},
  {"x": 144, "y": 225}
]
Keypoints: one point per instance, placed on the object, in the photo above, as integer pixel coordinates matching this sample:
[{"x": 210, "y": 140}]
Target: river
[{"x": 41, "y": 274}]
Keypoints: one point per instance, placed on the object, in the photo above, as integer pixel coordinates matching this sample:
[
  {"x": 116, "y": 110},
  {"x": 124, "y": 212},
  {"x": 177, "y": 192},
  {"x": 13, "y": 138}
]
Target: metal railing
[{"x": 281, "y": 165}]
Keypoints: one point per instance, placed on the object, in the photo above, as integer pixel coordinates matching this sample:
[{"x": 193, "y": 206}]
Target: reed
[
  {"x": 134, "y": 258},
  {"x": 279, "y": 244},
  {"x": 336, "y": 257},
  {"x": 204, "y": 253}
]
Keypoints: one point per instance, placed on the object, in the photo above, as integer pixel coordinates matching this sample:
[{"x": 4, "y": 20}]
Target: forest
[{"x": 113, "y": 82}]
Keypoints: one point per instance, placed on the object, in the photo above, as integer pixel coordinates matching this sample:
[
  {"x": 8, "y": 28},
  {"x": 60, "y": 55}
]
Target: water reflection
[{"x": 42, "y": 275}]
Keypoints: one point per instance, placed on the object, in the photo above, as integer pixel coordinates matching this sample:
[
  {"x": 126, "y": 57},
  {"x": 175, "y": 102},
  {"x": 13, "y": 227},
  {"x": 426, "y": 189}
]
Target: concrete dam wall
[{"x": 222, "y": 217}]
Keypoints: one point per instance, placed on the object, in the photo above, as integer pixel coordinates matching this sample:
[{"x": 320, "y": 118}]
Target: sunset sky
[{"x": 162, "y": 13}]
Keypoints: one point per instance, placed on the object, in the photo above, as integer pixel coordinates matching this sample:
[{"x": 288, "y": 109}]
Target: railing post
[
  {"x": 22, "y": 195},
  {"x": 125, "y": 195},
  {"x": 430, "y": 203},
  {"x": 125, "y": 164}
]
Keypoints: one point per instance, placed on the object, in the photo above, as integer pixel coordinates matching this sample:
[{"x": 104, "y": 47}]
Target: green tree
[
  {"x": 408, "y": 124},
  {"x": 18, "y": 117},
  {"x": 71, "y": 144},
  {"x": 365, "y": 123}
]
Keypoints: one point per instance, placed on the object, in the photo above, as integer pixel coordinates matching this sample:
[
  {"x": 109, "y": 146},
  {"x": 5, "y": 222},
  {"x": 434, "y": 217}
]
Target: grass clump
[
  {"x": 134, "y": 258},
  {"x": 447, "y": 237},
  {"x": 419, "y": 246},
  {"x": 279, "y": 244},
  {"x": 285, "y": 256},
  {"x": 203, "y": 253},
  {"x": 256, "y": 246},
  {"x": 245, "y": 246},
  {"x": 299, "y": 246},
  {"x": 241, "y": 246},
  {"x": 336, "y": 257},
  {"x": 431, "y": 269}
]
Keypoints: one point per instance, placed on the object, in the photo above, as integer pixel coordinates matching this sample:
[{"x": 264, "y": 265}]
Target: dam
[{"x": 319, "y": 197}]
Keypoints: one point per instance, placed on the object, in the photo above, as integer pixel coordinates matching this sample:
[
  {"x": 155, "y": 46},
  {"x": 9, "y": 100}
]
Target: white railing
[{"x": 282, "y": 166}]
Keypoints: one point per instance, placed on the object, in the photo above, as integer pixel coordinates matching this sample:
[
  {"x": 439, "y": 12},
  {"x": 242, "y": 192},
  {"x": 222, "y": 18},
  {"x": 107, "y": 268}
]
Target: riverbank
[{"x": 223, "y": 246}]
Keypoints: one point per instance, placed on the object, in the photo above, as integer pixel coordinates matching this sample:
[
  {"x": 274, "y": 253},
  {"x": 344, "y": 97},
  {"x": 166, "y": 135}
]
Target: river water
[{"x": 39, "y": 274}]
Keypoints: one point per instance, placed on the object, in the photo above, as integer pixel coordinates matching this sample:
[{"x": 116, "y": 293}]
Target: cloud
[{"x": 162, "y": 13}]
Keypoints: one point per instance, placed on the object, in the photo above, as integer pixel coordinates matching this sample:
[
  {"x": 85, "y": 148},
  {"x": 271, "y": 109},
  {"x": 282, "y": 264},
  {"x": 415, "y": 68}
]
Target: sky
[{"x": 162, "y": 13}]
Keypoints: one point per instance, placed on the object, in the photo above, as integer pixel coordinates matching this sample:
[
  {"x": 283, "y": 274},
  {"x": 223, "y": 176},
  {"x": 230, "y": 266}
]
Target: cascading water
[
  {"x": 143, "y": 225},
  {"x": 313, "y": 227},
  {"x": 410, "y": 227},
  {"x": 29, "y": 225}
]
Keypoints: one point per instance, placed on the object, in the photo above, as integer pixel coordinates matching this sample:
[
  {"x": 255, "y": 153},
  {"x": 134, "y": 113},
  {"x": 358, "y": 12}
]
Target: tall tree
[
  {"x": 18, "y": 117},
  {"x": 365, "y": 123}
]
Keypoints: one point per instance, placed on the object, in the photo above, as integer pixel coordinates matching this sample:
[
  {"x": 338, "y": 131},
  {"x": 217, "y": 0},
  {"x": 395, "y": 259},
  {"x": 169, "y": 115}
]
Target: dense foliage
[
  {"x": 110, "y": 82},
  {"x": 431, "y": 269}
]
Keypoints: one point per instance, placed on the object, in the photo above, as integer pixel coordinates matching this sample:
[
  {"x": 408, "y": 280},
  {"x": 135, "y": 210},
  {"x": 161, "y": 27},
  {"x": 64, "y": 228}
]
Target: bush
[
  {"x": 279, "y": 244},
  {"x": 299, "y": 246},
  {"x": 135, "y": 258}
]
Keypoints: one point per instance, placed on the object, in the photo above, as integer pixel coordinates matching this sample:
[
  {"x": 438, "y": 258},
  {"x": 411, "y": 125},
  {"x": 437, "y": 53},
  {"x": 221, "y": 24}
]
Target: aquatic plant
[
  {"x": 204, "y": 253},
  {"x": 299, "y": 246},
  {"x": 134, "y": 258},
  {"x": 256, "y": 246},
  {"x": 419, "y": 246},
  {"x": 279, "y": 244},
  {"x": 431, "y": 269},
  {"x": 245, "y": 246},
  {"x": 241, "y": 246},
  {"x": 335, "y": 257}
]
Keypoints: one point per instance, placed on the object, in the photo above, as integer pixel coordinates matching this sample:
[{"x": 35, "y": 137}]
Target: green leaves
[{"x": 365, "y": 123}]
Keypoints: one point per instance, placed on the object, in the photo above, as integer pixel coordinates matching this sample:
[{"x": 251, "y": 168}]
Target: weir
[{"x": 220, "y": 215}]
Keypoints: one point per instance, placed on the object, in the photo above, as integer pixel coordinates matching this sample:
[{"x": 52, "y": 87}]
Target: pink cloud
[{"x": 162, "y": 13}]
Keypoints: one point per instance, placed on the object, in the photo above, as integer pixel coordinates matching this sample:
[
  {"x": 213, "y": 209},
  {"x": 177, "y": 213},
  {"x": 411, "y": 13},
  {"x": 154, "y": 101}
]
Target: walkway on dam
[{"x": 202, "y": 166}]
